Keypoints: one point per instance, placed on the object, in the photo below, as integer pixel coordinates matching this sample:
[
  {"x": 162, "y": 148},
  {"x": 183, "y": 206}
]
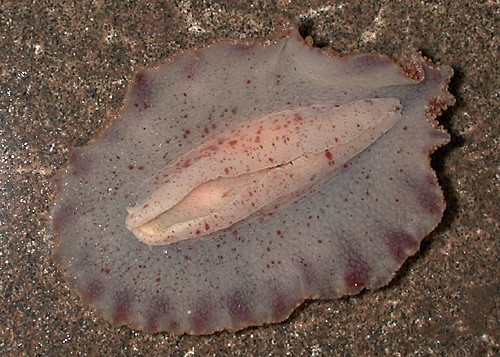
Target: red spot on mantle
[
  {"x": 427, "y": 194},
  {"x": 80, "y": 163},
  {"x": 241, "y": 47},
  {"x": 233, "y": 142},
  {"x": 356, "y": 275},
  {"x": 279, "y": 305},
  {"x": 122, "y": 307},
  {"x": 141, "y": 81},
  {"x": 401, "y": 244},
  {"x": 93, "y": 291},
  {"x": 157, "y": 310},
  {"x": 202, "y": 315},
  {"x": 328, "y": 155},
  {"x": 64, "y": 216},
  {"x": 238, "y": 308}
]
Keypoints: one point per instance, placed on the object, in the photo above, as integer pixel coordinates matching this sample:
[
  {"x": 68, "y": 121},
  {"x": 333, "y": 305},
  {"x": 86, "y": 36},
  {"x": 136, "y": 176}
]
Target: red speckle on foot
[{"x": 207, "y": 226}]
